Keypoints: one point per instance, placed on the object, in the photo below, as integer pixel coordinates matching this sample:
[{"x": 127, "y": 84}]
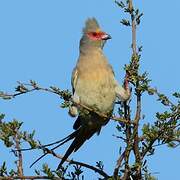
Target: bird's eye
[{"x": 94, "y": 34}]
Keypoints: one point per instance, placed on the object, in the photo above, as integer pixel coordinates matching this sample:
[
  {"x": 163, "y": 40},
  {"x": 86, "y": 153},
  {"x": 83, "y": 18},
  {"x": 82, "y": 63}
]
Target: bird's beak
[{"x": 106, "y": 37}]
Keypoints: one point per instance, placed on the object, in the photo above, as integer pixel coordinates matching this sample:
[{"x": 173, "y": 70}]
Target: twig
[
  {"x": 156, "y": 145},
  {"x": 138, "y": 96},
  {"x": 118, "y": 165},
  {"x": 136, "y": 136},
  {"x": 120, "y": 137},
  {"x": 150, "y": 145},
  {"x": 118, "y": 119},
  {"x": 125, "y": 155},
  {"x": 127, "y": 152},
  {"x": 99, "y": 171},
  {"x": 29, "y": 177},
  {"x": 19, "y": 155},
  {"x": 59, "y": 93}
]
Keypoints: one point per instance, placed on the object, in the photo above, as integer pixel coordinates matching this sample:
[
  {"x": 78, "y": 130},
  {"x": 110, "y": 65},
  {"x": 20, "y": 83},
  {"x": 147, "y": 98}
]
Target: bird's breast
[{"x": 95, "y": 87}]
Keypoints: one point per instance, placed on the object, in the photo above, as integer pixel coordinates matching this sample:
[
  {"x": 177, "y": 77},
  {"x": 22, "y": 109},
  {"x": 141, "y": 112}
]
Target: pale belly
[{"x": 96, "y": 90}]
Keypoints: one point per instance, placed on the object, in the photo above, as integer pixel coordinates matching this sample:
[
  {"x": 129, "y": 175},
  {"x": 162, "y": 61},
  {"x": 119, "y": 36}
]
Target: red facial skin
[{"x": 96, "y": 35}]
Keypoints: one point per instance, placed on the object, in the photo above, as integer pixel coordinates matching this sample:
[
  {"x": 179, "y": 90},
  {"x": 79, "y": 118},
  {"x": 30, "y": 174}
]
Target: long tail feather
[
  {"x": 81, "y": 136},
  {"x": 62, "y": 141}
]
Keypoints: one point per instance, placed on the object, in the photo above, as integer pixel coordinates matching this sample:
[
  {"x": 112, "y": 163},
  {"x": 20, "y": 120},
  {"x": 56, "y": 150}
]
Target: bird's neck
[
  {"x": 90, "y": 50},
  {"x": 89, "y": 46},
  {"x": 91, "y": 58}
]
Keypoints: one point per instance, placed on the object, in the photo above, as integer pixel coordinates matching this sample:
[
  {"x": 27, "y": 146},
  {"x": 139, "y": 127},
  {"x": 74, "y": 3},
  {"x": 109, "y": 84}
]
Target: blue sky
[{"x": 39, "y": 40}]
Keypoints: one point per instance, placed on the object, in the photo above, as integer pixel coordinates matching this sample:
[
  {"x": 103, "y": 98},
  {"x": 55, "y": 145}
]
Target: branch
[
  {"x": 128, "y": 142},
  {"x": 23, "y": 88},
  {"x": 29, "y": 177},
  {"x": 118, "y": 165},
  {"x": 99, "y": 171},
  {"x": 19, "y": 155},
  {"x": 131, "y": 9},
  {"x": 150, "y": 145},
  {"x": 138, "y": 97},
  {"x": 175, "y": 140},
  {"x": 134, "y": 137},
  {"x": 51, "y": 151}
]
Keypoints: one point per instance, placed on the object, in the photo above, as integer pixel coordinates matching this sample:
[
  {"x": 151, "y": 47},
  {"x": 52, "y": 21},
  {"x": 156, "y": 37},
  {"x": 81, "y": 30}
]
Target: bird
[{"x": 93, "y": 86}]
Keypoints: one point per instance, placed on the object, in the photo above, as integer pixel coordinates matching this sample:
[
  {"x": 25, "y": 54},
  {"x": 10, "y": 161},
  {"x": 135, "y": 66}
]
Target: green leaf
[
  {"x": 120, "y": 4},
  {"x": 125, "y": 22}
]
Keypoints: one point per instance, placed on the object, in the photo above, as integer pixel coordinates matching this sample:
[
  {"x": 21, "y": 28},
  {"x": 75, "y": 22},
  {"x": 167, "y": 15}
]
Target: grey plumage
[
  {"x": 94, "y": 86},
  {"x": 91, "y": 25}
]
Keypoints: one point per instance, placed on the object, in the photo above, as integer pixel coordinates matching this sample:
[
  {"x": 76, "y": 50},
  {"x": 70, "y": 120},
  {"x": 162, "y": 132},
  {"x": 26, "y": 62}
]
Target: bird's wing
[
  {"x": 121, "y": 93},
  {"x": 110, "y": 67},
  {"x": 74, "y": 79}
]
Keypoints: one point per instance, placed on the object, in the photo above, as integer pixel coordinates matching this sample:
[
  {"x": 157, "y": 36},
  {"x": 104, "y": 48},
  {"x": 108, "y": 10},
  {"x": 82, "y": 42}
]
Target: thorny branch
[
  {"x": 118, "y": 164},
  {"x": 12, "y": 136},
  {"x": 29, "y": 177},
  {"x": 19, "y": 155},
  {"x": 99, "y": 171},
  {"x": 150, "y": 145},
  {"x": 51, "y": 151},
  {"x": 23, "y": 88},
  {"x": 140, "y": 83},
  {"x": 132, "y": 138}
]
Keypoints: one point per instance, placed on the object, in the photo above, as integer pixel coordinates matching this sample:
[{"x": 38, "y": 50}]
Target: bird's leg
[
  {"x": 123, "y": 93},
  {"x": 73, "y": 110},
  {"x": 75, "y": 98},
  {"x": 126, "y": 82}
]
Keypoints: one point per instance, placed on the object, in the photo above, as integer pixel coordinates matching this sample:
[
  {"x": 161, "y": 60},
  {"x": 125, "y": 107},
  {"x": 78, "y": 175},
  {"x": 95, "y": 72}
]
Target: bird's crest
[{"x": 91, "y": 25}]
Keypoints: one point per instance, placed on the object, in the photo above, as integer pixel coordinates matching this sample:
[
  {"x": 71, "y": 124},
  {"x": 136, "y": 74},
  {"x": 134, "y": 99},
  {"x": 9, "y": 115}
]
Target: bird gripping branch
[{"x": 93, "y": 85}]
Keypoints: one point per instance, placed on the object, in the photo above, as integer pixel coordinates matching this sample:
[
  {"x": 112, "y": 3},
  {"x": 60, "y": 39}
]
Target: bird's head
[{"x": 93, "y": 36}]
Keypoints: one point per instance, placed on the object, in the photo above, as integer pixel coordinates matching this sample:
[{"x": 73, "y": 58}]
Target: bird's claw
[
  {"x": 73, "y": 111},
  {"x": 126, "y": 80},
  {"x": 75, "y": 98}
]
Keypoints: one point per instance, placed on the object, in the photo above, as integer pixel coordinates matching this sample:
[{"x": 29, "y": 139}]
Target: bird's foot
[
  {"x": 73, "y": 111},
  {"x": 126, "y": 81},
  {"x": 75, "y": 98}
]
